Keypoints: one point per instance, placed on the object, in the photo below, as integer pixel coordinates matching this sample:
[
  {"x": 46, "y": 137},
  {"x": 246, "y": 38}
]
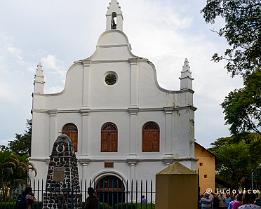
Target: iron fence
[{"x": 112, "y": 194}]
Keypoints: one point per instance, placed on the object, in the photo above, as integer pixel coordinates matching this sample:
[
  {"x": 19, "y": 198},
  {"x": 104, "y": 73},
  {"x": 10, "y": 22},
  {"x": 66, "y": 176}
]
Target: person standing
[
  {"x": 248, "y": 202},
  {"x": 91, "y": 201},
  {"x": 143, "y": 199},
  {"x": 215, "y": 201},
  {"x": 258, "y": 200},
  {"x": 29, "y": 198},
  {"x": 221, "y": 203},
  {"x": 26, "y": 199},
  {"x": 206, "y": 201},
  {"x": 227, "y": 200},
  {"x": 237, "y": 202}
]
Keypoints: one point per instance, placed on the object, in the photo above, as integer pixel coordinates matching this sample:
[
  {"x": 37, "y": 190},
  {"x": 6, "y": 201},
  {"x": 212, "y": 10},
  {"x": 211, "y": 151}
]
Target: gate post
[{"x": 177, "y": 188}]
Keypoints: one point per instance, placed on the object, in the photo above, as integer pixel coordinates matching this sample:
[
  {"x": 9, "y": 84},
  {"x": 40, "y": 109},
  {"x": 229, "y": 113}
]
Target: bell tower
[{"x": 114, "y": 16}]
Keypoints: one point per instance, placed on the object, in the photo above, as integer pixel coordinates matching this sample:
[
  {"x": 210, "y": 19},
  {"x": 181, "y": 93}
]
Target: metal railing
[{"x": 112, "y": 194}]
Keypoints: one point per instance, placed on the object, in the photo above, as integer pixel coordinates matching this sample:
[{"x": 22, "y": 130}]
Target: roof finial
[
  {"x": 186, "y": 66},
  {"x": 39, "y": 79},
  {"x": 186, "y": 73},
  {"x": 186, "y": 76},
  {"x": 39, "y": 70}
]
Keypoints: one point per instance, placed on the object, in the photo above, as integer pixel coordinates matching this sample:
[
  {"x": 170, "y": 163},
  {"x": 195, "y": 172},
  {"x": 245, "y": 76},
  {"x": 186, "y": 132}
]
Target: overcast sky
[{"x": 59, "y": 32}]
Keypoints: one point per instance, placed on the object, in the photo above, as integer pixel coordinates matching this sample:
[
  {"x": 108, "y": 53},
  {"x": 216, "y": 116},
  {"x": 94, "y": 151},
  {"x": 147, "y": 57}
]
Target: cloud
[
  {"x": 164, "y": 31},
  {"x": 52, "y": 63},
  {"x": 51, "y": 66},
  {"x": 4, "y": 141},
  {"x": 16, "y": 53},
  {"x": 6, "y": 93}
]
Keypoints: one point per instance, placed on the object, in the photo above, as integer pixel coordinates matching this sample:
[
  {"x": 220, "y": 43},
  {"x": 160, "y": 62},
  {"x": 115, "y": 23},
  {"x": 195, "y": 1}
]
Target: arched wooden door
[
  {"x": 150, "y": 137},
  {"x": 72, "y": 132}
]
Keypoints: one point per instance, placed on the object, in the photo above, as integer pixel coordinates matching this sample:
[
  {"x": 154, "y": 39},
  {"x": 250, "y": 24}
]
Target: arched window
[
  {"x": 109, "y": 138},
  {"x": 150, "y": 137},
  {"x": 71, "y": 130},
  {"x": 114, "y": 21}
]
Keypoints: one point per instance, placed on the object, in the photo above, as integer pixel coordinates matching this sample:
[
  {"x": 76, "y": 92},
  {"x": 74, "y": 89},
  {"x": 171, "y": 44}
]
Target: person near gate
[{"x": 91, "y": 201}]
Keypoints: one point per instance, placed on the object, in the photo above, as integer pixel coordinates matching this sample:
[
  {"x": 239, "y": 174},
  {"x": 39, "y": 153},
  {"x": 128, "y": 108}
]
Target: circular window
[{"x": 111, "y": 78}]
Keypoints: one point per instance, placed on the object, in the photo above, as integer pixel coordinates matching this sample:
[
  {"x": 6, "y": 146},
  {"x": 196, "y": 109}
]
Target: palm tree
[{"x": 14, "y": 171}]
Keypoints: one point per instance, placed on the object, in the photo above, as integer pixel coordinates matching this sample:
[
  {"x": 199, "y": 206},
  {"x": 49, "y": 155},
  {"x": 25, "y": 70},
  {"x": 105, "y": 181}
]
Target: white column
[
  {"x": 192, "y": 134},
  {"x": 84, "y": 172},
  {"x": 134, "y": 83},
  {"x": 133, "y": 131},
  {"x": 86, "y": 84},
  {"x": 168, "y": 131},
  {"x": 85, "y": 177},
  {"x": 84, "y": 132},
  {"x": 53, "y": 133},
  {"x": 120, "y": 22},
  {"x": 132, "y": 165}
]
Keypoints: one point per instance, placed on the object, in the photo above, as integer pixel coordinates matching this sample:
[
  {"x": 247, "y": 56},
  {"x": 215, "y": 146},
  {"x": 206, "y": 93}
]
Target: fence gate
[{"x": 110, "y": 190}]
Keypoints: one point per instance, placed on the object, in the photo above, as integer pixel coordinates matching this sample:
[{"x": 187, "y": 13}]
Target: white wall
[{"x": 136, "y": 98}]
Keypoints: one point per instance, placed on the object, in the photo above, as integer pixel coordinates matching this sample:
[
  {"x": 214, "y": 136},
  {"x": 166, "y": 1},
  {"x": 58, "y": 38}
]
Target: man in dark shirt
[
  {"x": 91, "y": 201},
  {"x": 215, "y": 201}
]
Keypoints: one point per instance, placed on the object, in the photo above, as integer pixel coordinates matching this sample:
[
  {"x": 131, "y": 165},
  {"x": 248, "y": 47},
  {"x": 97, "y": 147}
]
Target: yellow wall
[{"x": 206, "y": 168}]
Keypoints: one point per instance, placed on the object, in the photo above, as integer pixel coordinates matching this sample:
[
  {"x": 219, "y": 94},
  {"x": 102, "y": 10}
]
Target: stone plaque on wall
[
  {"x": 58, "y": 174},
  {"x": 108, "y": 164}
]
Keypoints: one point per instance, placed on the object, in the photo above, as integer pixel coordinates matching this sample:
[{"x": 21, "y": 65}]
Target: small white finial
[
  {"x": 186, "y": 63},
  {"x": 186, "y": 66},
  {"x": 186, "y": 76},
  {"x": 114, "y": 4},
  {"x": 39, "y": 70},
  {"x": 39, "y": 79},
  {"x": 39, "y": 66}
]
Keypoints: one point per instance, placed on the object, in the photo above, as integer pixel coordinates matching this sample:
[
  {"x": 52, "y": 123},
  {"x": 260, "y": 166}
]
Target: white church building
[{"x": 121, "y": 122}]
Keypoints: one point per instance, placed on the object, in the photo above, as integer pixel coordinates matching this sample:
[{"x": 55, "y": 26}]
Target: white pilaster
[
  {"x": 84, "y": 132},
  {"x": 134, "y": 82},
  {"x": 53, "y": 132},
  {"x": 132, "y": 165},
  {"x": 168, "y": 131},
  {"x": 133, "y": 131},
  {"x": 85, "y": 177},
  {"x": 192, "y": 133},
  {"x": 86, "y": 84}
]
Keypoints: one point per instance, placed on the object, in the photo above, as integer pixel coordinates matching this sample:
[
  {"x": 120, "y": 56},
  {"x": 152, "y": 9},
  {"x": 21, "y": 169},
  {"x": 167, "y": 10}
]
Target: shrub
[
  {"x": 7, "y": 205},
  {"x": 37, "y": 205},
  {"x": 103, "y": 205},
  {"x": 125, "y": 206},
  {"x": 144, "y": 206}
]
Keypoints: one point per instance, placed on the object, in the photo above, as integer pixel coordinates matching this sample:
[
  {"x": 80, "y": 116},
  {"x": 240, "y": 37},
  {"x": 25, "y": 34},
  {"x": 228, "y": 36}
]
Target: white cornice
[
  {"x": 130, "y": 110},
  {"x": 113, "y": 46},
  {"x": 120, "y": 159}
]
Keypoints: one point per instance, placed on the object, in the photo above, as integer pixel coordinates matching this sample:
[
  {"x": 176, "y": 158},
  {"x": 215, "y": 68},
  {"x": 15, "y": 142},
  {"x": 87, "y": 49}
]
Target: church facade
[{"x": 121, "y": 122}]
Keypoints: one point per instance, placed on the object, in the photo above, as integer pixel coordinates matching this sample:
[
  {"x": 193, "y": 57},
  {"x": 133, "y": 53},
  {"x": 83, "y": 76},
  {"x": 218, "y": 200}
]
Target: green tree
[
  {"x": 237, "y": 157},
  {"x": 242, "y": 107},
  {"x": 21, "y": 145},
  {"x": 14, "y": 170},
  {"x": 242, "y": 30}
]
